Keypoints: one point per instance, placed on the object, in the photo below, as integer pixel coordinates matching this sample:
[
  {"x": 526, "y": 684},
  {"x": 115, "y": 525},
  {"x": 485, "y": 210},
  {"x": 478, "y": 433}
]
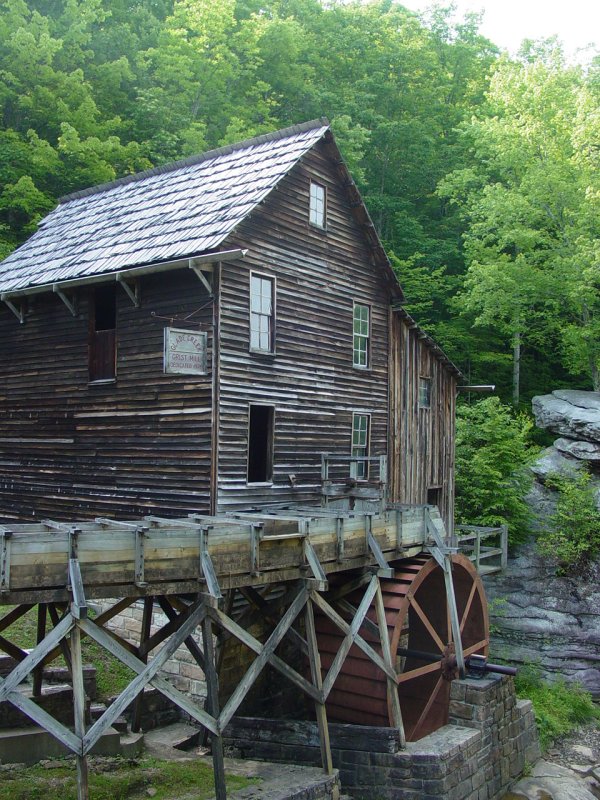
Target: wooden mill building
[
  {"x": 193, "y": 339},
  {"x": 195, "y": 362}
]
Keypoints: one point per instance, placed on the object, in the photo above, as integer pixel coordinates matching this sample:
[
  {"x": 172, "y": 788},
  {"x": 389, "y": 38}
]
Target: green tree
[
  {"x": 492, "y": 475},
  {"x": 530, "y": 205}
]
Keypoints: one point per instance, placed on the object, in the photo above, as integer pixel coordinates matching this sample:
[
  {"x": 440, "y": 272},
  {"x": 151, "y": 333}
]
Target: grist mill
[{"x": 214, "y": 402}]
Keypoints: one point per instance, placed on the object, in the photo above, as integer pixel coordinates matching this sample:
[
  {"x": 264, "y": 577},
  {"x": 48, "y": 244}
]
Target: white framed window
[
  {"x": 317, "y": 205},
  {"x": 424, "y": 392},
  {"x": 262, "y": 313},
  {"x": 361, "y": 442},
  {"x": 261, "y": 434},
  {"x": 361, "y": 328}
]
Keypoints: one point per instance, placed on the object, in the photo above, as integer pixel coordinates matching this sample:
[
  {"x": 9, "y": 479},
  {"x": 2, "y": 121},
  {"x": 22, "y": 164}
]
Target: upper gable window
[
  {"x": 317, "y": 205},
  {"x": 262, "y": 314},
  {"x": 361, "y": 327}
]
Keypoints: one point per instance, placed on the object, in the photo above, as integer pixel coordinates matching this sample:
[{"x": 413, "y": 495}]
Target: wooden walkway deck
[{"x": 155, "y": 556}]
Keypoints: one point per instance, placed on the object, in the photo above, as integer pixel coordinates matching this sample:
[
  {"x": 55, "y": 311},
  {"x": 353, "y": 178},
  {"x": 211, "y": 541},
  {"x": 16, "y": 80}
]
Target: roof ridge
[{"x": 283, "y": 133}]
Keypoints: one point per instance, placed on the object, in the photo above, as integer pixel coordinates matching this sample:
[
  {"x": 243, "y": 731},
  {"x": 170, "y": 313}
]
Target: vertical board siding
[
  {"x": 310, "y": 378},
  {"x": 70, "y": 450},
  {"x": 422, "y": 439}
]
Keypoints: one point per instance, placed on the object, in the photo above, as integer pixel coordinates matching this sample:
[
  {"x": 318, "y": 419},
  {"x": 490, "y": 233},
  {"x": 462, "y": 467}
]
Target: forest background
[{"x": 480, "y": 171}]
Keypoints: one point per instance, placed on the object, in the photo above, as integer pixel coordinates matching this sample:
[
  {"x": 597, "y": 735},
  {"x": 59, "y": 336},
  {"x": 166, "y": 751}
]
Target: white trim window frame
[
  {"x": 263, "y": 289},
  {"x": 361, "y": 445},
  {"x": 361, "y": 335},
  {"x": 317, "y": 205}
]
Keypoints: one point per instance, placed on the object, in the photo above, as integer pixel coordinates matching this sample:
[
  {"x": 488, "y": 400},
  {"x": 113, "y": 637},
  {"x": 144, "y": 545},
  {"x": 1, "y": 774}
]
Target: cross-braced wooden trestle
[{"x": 184, "y": 617}]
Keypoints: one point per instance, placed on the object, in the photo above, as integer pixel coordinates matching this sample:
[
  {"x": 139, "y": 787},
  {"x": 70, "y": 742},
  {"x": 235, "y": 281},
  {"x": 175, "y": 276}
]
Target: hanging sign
[{"x": 185, "y": 352}]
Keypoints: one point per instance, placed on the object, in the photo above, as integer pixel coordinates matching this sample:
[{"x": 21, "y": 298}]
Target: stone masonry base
[{"x": 478, "y": 756}]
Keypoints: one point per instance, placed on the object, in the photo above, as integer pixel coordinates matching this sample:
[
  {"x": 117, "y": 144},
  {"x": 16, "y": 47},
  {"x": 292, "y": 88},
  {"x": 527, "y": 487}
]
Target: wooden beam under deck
[{"x": 163, "y": 557}]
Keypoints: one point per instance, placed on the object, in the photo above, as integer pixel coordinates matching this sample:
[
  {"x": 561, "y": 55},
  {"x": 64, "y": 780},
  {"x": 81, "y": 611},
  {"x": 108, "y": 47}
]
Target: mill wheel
[{"x": 418, "y": 620}]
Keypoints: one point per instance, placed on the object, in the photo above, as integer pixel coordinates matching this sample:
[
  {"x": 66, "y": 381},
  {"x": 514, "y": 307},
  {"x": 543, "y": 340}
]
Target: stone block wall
[
  {"x": 478, "y": 756},
  {"x": 181, "y": 670}
]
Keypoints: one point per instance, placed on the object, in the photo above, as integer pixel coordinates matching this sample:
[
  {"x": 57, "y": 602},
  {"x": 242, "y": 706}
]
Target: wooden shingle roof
[{"x": 167, "y": 213}]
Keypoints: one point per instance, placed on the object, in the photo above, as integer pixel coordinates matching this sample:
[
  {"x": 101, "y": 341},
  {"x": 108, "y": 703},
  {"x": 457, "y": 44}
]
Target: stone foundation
[
  {"x": 181, "y": 670},
  {"x": 478, "y": 756}
]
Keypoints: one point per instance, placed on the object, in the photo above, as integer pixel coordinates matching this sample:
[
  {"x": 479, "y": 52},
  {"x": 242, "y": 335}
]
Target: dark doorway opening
[
  {"x": 260, "y": 444},
  {"x": 103, "y": 333}
]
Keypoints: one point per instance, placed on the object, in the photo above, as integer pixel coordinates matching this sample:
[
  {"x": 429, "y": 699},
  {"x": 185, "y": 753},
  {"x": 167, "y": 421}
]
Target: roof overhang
[{"x": 195, "y": 263}]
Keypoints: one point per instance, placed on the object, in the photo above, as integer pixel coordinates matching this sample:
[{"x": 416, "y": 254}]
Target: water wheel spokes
[{"x": 418, "y": 619}]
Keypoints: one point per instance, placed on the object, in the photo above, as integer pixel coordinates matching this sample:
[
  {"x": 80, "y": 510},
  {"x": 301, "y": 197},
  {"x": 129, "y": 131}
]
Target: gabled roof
[{"x": 176, "y": 211}]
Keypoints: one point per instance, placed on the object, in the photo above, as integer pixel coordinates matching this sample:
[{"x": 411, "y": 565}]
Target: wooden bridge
[{"x": 185, "y": 565}]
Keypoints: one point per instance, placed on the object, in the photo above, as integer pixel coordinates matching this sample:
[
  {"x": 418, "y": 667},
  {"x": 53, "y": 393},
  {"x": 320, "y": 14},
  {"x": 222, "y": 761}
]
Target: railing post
[
  {"x": 477, "y": 550},
  {"x": 504, "y": 546}
]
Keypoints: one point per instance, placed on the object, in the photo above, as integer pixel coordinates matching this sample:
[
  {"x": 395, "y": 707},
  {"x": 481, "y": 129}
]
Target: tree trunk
[{"x": 516, "y": 367}]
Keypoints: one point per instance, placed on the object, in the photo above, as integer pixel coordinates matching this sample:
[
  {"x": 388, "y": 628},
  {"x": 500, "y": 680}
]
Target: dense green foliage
[
  {"x": 572, "y": 535},
  {"x": 492, "y": 478},
  {"x": 559, "y": 708},
  {"x": 445, "y": 138},
  {"x": 167, "y": 780}
]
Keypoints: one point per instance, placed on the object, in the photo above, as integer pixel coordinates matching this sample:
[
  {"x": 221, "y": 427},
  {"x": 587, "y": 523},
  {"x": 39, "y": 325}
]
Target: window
[
  {"x": 103, "y": 333},
  {"x": 424, "y": 392},
  {"x": 434, "y": 495},
  {"x": 262, "y": 314},
  {"x": 361, "y": 425},
  {"x": 317, "y": 205},
  {"x": 361, "y": 328},
  {"x": 260, "y": 444}
]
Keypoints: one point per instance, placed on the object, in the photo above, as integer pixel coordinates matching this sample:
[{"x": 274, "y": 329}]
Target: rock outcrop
[{"x": 540, "y": 617}]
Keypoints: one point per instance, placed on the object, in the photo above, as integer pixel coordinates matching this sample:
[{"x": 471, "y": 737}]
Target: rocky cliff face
[{"x": 540, "y": 617}]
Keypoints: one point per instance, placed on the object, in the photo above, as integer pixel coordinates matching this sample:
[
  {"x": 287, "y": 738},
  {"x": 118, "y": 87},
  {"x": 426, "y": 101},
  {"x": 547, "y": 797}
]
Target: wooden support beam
[
  {"x": 212, "y": 687},
  {"x": 392, "y": 686},
  {"x": 22, "y": 670},
  {"x": 70, "y": 304},
  {"x": 38, "y": 672},
  {"x": 274, "y": 660},
  {"x": 176, "y": 620},
  {"x": 5, "y": 540},
  {"x": 132, "y": 293},
  {"x": 267, "y": 650},
  {"x": 316, "y": 676},
  {"x": 18, "y": 312},
  {"x": 358, "y": 640},
  {"x": 79, "y": 710},
  {"x": 146, "y": 674},
  {"x": 349, "y": 639},
  {"x": 138, "y": 707},
  {"x": 13, "y": 615}
]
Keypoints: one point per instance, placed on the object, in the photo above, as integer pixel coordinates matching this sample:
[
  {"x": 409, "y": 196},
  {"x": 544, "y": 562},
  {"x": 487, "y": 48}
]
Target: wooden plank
[
  {"x": 350, "y": 637},
  {"x": 212, "y": 686},
  {"x": 267, "y": 650},
  {"x": 79, "y": 710},
  {"x": 315, "y": 672}
]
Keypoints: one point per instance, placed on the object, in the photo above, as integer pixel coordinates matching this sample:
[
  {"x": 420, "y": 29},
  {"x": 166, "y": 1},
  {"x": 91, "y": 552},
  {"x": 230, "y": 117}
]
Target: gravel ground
[{"x": 581, "y": 747}]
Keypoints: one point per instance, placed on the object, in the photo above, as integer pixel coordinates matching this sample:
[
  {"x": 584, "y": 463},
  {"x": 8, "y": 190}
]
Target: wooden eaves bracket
[
  {"x": 132, "y": 289},
  {"x": 71, "y": 304},
  {"x": 18, "y": 311}
]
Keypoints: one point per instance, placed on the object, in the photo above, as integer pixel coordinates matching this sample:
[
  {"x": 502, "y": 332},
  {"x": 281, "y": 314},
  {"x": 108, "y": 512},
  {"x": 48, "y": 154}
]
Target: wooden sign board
[{"x": 185, "y": 352}]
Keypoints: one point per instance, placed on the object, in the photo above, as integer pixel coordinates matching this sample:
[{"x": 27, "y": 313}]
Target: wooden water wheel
[{"x": 418, "y": 620}]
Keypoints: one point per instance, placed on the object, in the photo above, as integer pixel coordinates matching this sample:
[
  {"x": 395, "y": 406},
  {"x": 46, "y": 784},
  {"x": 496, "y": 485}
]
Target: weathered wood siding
[
  {"x": 310, "y": 379},
  {"x": 72, "y": 450},
  {"x": 422, "y": 439}
]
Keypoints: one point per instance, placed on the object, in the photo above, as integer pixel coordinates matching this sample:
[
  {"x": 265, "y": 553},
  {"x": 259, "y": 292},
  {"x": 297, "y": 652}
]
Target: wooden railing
[
  {"x": 487, "y": 558},
  {"x": 339, "y": 478}
]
